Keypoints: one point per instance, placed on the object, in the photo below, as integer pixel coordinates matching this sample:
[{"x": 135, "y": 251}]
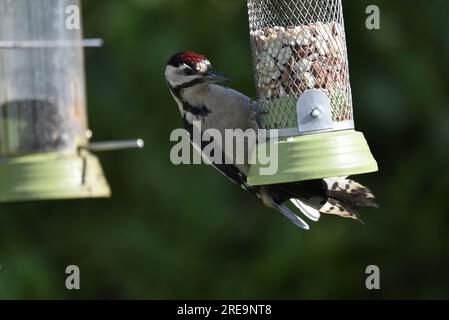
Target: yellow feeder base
[
  {"x": 52, "y": 176},
  {"x": 316, "y": 156}
]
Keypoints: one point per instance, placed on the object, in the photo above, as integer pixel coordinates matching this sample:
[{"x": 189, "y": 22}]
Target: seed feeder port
[
  {"x": 45, "y": 148},
  {"x": 303, "y": 90}
]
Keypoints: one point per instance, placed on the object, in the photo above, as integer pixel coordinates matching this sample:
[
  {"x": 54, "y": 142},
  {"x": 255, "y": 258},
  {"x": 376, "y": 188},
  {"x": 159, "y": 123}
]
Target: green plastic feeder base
[
  {"x": 52, "y": 176},
  {"x": 316, "y": 156}
]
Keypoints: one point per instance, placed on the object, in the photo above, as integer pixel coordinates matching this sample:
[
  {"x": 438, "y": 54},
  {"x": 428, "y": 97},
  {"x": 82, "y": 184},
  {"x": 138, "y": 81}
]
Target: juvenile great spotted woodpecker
[{"x": 195, "y": 87}]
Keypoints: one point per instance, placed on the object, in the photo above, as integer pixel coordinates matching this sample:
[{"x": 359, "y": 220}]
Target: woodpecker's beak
[{"x": 214, "y": 76}]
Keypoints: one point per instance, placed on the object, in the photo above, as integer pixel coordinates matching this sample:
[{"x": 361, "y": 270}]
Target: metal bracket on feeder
[{"x": 314, "y": 113}]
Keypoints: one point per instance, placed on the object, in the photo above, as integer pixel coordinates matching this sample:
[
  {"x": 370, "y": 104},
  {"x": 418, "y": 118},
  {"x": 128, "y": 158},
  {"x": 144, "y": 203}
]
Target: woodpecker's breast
[{"x": 229, "y": 109}]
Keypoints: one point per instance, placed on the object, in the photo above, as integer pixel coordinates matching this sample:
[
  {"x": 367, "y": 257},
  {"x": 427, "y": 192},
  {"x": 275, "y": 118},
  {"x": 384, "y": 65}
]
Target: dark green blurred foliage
[{"x": 186, "y": 232}]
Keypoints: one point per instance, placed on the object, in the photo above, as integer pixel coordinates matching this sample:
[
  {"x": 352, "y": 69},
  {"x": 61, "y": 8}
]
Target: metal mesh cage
[{"x": 299, "y": 45}]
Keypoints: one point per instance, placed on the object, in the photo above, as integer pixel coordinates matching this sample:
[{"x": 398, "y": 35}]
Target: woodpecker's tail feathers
[
  {"x": 326, "y": 205},
  {"x": 350, "y": 192},
  {"x": 336, "y": 196},
  {"x": 339, "y": 208},
  {"x": 343, "y": 197},
  {"x": 291, "y": 216}
]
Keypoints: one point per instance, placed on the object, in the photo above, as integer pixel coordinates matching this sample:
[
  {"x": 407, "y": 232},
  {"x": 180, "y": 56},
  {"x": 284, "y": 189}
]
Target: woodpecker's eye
[{"x": 188, "y": 71}]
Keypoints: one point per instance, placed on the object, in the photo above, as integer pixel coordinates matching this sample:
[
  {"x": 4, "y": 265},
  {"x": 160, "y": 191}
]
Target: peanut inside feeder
[{"x": 302, "y": 80}]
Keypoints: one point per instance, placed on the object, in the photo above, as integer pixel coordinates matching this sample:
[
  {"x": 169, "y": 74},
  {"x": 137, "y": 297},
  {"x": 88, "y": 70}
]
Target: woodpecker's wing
[{"x": 228, "y": 170}]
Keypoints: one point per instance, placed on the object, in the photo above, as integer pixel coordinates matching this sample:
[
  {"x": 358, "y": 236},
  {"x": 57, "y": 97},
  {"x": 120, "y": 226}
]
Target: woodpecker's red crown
[{"x": 194, "y": 60}]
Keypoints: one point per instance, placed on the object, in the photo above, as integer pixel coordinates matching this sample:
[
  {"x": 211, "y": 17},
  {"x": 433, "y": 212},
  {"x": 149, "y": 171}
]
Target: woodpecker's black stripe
[
  {"x": 178, "y": 89},
  {"x": 199, "y": 111},
  {"x": 202, "y": 111}
]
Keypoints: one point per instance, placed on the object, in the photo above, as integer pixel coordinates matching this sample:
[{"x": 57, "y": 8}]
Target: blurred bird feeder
[
  {"x": 302, "y": 79},
  {"x": 44, "y": 138}
]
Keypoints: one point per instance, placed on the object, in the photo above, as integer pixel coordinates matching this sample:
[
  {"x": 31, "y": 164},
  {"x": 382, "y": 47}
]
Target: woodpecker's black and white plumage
[{"x": 194, "y": 86}]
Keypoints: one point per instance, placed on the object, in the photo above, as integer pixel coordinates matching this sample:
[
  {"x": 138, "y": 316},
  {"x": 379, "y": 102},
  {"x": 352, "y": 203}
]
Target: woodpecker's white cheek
[
  {"x": 170, "y": 72},
  {"x": 176, "y": 76}
]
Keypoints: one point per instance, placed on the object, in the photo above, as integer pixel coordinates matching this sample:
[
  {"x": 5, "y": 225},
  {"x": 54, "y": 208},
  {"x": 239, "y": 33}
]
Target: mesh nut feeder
[
  {"x": 302, "y": 80},
  {"x": 45, "y": 152}
]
